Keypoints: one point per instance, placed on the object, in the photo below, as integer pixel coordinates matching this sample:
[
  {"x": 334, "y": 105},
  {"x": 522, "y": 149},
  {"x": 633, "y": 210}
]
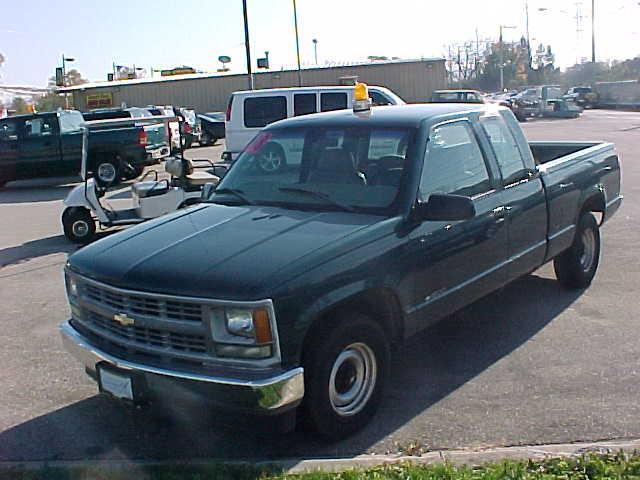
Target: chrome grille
[
  {"x": 147, "y": 336},
  {"x": 143, "y": 305}
]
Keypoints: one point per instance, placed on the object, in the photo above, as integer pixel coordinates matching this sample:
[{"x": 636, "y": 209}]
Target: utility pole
[
  {"x": 593, "y": 31},
  {"x": 315, "y": 49},
  {"x": 295, "y": 23},
  {"x": 246, "y": 45},
  {"x": 526, "y": 15},
  {"x": 501, "y": 60}
]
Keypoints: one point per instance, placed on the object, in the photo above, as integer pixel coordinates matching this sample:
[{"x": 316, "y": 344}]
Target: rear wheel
[
  {"x": 78, "y": 225},
  {"x": 107, "y": 172},
  {"x": 576, "y": 266},
  {"x": 345, "y": 373}
]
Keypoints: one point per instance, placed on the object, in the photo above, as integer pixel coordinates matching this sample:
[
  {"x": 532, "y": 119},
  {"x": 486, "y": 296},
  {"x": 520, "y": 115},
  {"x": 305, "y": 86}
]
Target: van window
[
  {"x": 261, "y": 111},
  {"x": 378, "y": 99},
  {"x": 333, "y": 101},
  {"x": 304, "y": 103},
  {"x": 454, "y": 162}
]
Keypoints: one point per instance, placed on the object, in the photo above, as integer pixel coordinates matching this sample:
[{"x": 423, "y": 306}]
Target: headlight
[
  {"x": 242, "y": 332},
  {"x": 72, "y": 287}
]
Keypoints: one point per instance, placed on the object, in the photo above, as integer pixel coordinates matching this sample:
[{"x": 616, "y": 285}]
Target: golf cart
[{"x": 151, "y": 198}]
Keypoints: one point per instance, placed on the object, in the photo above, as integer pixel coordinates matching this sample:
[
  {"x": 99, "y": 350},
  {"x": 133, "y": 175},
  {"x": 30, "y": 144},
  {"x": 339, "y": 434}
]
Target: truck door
[
  {"x": 39, "y": 147},
  {"x": 9, "y": 154},
  {"x": 524, "y": 198},
  {"x": 457, "y": 262}
]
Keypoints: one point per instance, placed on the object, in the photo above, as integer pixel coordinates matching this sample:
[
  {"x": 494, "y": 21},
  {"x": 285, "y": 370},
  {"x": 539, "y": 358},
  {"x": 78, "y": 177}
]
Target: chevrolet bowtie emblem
[{"x": 123, "y": 319}]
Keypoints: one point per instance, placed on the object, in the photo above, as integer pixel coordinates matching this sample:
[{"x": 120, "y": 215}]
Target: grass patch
[{"x": 587, "y": 467}]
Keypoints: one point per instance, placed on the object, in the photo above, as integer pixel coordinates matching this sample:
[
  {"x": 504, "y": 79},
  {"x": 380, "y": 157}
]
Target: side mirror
[
  {"x": 220, "y": 170},
  {"x": 207, "y": 190},
  {"x": 443, "y": 208}
]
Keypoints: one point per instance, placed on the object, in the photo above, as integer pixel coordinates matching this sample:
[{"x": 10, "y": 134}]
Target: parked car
[
  {"x": 309, "y": 277},
  {"x": 50, "y": 144},
  {"x": 212, "y": 125},
  {"x": 543, "y": 101},
  {"x": 249, "y": 111},
  {"x": 584, "y": 97},
  {"x": 190, "y": 124},
  {"x": 456, "y": 96},
  {"x": 157, "y": 136}
]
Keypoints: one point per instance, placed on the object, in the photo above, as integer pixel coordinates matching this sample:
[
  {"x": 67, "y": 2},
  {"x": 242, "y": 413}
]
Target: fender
[{"x": 84, "y": 195}]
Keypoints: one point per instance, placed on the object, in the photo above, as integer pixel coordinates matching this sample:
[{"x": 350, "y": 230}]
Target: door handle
[{"x": 498, "y": 212}]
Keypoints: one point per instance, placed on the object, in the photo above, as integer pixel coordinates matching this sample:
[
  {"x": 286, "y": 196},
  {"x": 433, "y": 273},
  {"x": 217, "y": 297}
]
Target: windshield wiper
[
  {"x": 320, "y": 195},
  {"x": 233, "y": 191}
]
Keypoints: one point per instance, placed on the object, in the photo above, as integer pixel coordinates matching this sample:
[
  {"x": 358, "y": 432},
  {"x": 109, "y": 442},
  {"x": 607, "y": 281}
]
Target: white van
[{"x": 250, "y": 110}]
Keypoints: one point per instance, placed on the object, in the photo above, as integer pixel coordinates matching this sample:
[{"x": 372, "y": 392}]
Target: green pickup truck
[
  {"x": 50, "y": 144},
  {"x": 288, "y": 291}
]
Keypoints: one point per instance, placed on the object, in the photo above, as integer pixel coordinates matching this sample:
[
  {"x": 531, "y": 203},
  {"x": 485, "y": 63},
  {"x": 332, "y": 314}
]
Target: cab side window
[
  {"x": 261, "y": 111},
  {"x": 506, "y": 150},
  {"x": 38, "y": 127},
  {"x": 378, "y": 99},
  {"x": 454, "y": 163},
  {"x": 7, "y": 130}
]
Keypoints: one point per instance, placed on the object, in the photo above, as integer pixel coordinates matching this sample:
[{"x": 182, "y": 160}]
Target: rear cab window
[
  {"x": 261, "y": 111},
  {"x": 39, "y": 127},
  {"x": 454, "y": 163},
  {"x": 508, "y": 155}
]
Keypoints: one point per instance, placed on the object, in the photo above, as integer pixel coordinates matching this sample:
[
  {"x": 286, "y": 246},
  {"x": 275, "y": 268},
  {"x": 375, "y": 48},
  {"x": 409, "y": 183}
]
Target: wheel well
[
  {"x": 381, "y": 305},
  {"x": 595, "y": 203}
]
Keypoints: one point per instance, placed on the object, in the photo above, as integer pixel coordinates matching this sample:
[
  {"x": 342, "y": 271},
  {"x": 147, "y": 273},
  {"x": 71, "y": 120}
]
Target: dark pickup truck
[
  {"x": 287, "y": 290},
  {"x": 50, "y": 144}
]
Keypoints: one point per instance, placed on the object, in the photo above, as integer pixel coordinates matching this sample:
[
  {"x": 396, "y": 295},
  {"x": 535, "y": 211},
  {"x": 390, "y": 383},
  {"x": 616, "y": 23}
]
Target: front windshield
[{"x": 356, "y": 169}]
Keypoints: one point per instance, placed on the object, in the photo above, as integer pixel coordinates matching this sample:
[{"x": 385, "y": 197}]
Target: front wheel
[
  {"x": 78, "y": 225},
  {"x": 576, "y": 266},
  {"x": 345, "y": 373}
]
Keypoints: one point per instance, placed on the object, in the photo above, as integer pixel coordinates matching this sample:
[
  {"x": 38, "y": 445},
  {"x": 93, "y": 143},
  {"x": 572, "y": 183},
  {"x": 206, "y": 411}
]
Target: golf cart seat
[
  {"x": 193, "y": 177},
  {"x": 150, "y": 188}
]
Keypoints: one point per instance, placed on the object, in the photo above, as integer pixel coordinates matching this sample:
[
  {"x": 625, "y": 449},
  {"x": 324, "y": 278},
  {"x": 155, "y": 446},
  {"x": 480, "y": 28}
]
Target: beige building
[{"x": 413, "y": 80}]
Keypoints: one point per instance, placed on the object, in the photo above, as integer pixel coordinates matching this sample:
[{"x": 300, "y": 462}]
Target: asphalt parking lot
[{"x": 529, "y": 364}]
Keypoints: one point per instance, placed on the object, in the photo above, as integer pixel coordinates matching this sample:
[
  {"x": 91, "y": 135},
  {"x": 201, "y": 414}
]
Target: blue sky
[{"x": 165, "y": 33}]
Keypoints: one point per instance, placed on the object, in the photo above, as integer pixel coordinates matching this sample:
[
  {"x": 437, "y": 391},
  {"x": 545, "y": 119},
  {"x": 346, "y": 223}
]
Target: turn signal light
[{"x": 262, "y": 326}]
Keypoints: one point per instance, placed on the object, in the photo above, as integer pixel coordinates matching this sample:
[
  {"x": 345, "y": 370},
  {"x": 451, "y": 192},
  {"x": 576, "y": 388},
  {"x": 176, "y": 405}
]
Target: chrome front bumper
[{"x": 265, "y": 395}]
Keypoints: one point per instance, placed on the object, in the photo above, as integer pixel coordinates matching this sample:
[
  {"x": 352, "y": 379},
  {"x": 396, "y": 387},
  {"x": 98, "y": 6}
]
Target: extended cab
[
  {"x": 291, "y": 288},
  {"x": 50, "y": 144}
]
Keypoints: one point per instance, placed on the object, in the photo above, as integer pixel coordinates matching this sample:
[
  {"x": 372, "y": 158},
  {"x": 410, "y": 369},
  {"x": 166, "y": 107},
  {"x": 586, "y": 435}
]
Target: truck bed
[{"x": 572, "y": 172}]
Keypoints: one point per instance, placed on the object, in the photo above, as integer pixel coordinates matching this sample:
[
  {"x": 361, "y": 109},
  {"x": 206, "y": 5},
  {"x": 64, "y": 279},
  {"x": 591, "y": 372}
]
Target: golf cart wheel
[
  {"x": 271, "y": 159},
  {"x": 186, "y": 142},
  {"x": 78, "y": 225},
  {"x": 345, "y": 368},
  {"x": 207, "y": 139},
  {"x": 107, "y": 173}
]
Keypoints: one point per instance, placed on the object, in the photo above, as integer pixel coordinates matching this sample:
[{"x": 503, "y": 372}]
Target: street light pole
[
  {"x": 64, "y": 78},
  {"x": 295, "y": 23},
  {"x": 246, "y": 44},
  {"x": 593, "y": 31}
]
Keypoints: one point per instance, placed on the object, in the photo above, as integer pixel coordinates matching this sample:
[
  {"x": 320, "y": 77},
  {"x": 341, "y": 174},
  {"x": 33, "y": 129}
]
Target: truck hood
[{"x": 224, "y": 252}]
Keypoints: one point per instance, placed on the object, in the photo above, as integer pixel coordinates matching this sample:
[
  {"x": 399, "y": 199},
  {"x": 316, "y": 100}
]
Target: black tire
[
  {"x": 271, "y": 159},
  {"x": 134, "y": 173},
  {"x": 206, "y": 140},
  {"x": 520, "y": 117},
  {"x": 187, "y": 142},
  {"x": 107, "y": 172},
  {"x": 333, "y": 359},
  {"x": 576, "y": 266},
  {"x": 78, "y": 225}
]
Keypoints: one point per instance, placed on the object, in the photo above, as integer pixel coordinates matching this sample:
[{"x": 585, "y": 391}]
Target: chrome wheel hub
[
  {"x": 353, "y": 379},
  {"x": 80, "y": 228},
  {"x": 106, "y": 172},
  {"x": 588, "y": 255},
  {"x": 270, "y": 161}
]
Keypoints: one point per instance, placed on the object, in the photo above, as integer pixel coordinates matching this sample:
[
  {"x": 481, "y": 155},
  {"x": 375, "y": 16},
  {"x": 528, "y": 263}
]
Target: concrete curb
[{"x": 458, "y": 457}]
